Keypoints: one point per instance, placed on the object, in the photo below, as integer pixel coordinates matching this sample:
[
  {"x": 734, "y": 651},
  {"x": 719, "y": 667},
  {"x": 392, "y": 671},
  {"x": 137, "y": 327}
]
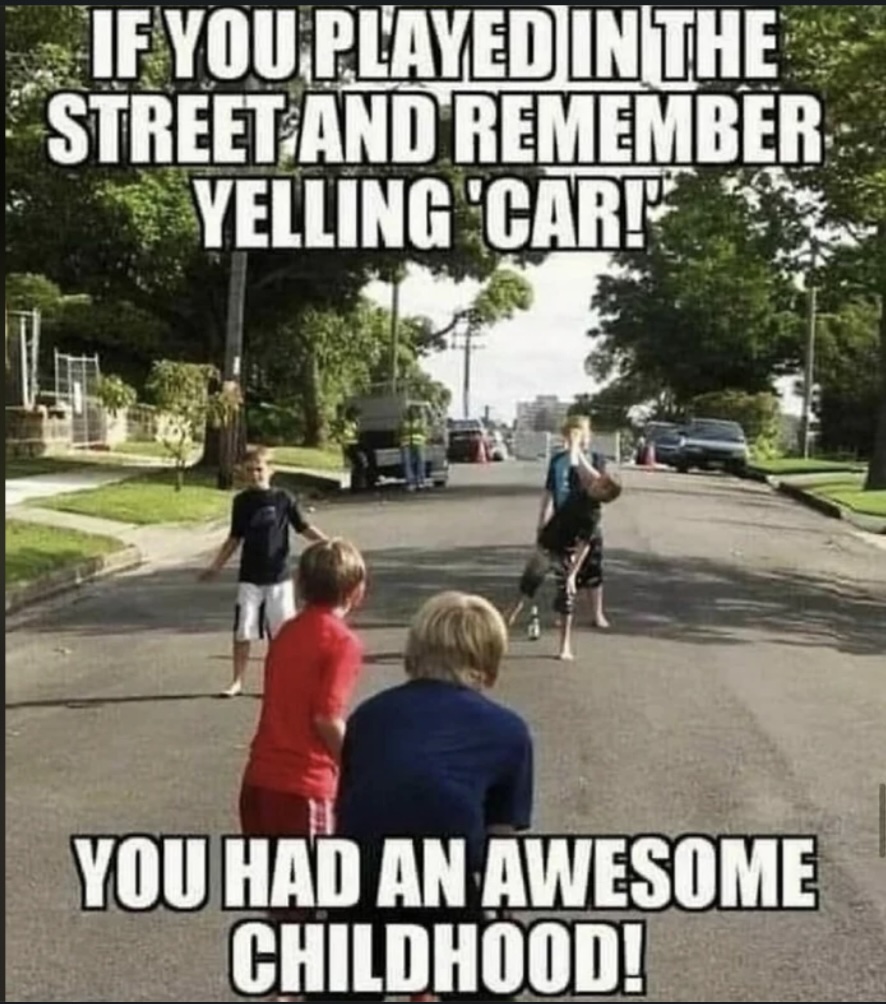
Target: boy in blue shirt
[
  {"x": 563, "y": 482},
  {"x": 436, "y": 758}
]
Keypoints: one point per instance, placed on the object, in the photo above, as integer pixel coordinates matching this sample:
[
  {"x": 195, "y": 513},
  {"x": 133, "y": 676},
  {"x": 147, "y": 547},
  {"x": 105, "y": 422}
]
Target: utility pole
[
  {"x": 395, "y": 333},
  {"x": 229, "y": 454},
  {"x": 811, "y": 339},
  {"x": 469, "y": 348}
]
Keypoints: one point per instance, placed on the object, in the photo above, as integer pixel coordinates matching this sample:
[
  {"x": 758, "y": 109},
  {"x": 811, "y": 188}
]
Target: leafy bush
[{"x": 116, "y": 395}]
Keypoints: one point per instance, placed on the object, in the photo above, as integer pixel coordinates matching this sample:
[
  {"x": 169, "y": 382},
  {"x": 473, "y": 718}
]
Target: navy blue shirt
[
  {"x": 261, "y": 520},
  {"x": 432, "y": 759}
]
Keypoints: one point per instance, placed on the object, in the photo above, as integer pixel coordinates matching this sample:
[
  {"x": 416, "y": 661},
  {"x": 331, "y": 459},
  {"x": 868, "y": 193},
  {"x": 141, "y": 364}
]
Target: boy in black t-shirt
[{"x": 260, "y": 522}]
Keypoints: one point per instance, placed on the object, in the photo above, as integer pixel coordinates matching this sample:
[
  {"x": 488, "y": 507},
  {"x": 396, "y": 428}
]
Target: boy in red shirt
[{"x": 312, "y": 668}]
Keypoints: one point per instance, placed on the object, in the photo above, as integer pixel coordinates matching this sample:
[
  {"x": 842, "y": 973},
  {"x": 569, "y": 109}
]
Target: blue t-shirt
[
  {"x": 432, "y": 759},
  {"x": 563, "y": 479}
]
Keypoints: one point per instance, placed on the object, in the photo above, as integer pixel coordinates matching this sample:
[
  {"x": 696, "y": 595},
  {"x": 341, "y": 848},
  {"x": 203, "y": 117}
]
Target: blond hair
[
  {"x": 457, "y": 638},
  {"x": 256, "y": 454},
  {"x": 576, "y": 423},
  {"x": 330, "y": 573}
]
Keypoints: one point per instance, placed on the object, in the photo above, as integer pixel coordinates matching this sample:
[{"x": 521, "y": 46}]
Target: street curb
[
  {"x": 831, "y": 509},
  {"x": 69, "y": 579}
]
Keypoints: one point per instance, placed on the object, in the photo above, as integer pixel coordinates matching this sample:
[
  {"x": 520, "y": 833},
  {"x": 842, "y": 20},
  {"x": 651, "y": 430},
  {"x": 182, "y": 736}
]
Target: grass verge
[
  {"x": 28, "y": 468},
  {"x": 149, "y": 500},
  {"x": 309, "y": 459},
  {"x": 33, "y": 551},
  {"x": 786, "y": 468},
  {"x": 849, "y": 494}
]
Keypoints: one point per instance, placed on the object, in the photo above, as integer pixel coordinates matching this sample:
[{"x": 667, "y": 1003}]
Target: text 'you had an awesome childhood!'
[
  {"x": 352, "y": 128},
  {"x": 400, "y": 938}
]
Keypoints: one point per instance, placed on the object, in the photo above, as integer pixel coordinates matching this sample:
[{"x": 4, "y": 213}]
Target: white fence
[{"x": 539, "y": 446}]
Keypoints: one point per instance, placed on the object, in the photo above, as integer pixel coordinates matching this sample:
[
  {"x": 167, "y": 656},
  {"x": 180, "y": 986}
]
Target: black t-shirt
[
  {"x": 574, "y": 524},
  {"x": 261, "y": 520}
]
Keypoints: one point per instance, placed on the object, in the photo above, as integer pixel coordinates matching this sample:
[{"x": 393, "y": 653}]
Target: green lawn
[
  {"x": 785, "y": 468},
  {"x": 153, "y": 450},
  {"x": 309, "y": 459},
  {"x": 40, "y": 465},
  {"x": 149, "y": 500},
  {"x": 33, "y": 551},
  {"x": 849, "y": 494}
]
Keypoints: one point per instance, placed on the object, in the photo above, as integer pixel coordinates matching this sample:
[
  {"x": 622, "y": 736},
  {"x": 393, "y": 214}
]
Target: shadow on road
[{"x": 689, "y": 600}]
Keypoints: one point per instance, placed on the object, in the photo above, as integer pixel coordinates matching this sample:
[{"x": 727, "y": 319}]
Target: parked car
[
  {"x": 711, "y": 444},
  {"x": 465, "y": 439}
]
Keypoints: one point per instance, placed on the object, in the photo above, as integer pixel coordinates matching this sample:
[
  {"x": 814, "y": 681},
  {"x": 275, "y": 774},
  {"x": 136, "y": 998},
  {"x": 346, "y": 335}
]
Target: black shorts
[
  {"x": 534, "y": 574},
  {"x": 590, "y": 575}
]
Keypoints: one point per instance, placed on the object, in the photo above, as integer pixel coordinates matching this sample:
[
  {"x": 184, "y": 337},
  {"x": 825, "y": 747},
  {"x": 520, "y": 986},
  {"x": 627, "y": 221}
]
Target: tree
[
  {"x": 849, "y": 384},
  {"x": 181, "y": 392},
  {"x": 711, "y": 304},
  {"x": 841, "y": 52}
]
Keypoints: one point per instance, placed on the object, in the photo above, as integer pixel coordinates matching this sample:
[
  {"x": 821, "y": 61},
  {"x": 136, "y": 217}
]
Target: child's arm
[
  {"x": 228, "y": 550},
  {"x": 230, "y": 546},
  {"x": 301, "y": 526},
  {"x": 336, "y": 691}
]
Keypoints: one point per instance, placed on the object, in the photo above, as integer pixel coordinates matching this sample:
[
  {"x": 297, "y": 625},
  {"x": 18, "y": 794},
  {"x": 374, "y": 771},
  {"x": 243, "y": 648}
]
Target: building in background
[{"x": 544, "y": 414}]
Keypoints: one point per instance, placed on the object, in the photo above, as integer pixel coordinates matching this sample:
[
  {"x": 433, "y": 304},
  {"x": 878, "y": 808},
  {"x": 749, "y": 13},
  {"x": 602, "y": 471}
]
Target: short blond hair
[
  {"x": 330, "y": 573},
  {"x": 576, "y": 423},
  {"x": 457, "y": 638},
  {"x": 257, "y": 454}
]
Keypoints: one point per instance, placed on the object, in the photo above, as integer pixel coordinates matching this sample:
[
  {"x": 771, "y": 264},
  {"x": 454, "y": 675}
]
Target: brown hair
[
  {"x": 329, "y": 573},
  {"x": 457, "y": 638}
]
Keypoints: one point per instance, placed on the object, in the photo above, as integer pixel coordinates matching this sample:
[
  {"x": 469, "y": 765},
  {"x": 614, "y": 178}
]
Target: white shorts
[{"x": 263, "y": 610}]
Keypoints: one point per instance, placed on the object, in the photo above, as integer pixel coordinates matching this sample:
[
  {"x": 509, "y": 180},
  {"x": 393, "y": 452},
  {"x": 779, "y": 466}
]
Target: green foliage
[
  {"x": 181, "y": 393},
  {"x": 849, "y": 380},
  {"x": 707, "y": 306},
  {"x": 116, "y": 395},
  {"x": 33, "y": 292}
]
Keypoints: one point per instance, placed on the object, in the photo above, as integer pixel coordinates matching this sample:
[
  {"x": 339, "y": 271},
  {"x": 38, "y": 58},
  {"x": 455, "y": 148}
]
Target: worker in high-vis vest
[
  {"x": 355, "y": 459},
  {"x": 413, "y": 440}
]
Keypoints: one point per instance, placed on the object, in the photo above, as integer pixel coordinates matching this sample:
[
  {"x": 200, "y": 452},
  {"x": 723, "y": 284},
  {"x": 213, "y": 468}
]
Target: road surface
[{"x": 742, "y": 690}]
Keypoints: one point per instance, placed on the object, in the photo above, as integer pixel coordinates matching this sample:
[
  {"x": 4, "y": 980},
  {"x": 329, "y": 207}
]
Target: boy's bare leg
[
  {"x": 514, "y": 612},
  {"x": 566, "y": 652},
  {"x": 242, "y": 651},
  {"x": 598, "y": 614}
]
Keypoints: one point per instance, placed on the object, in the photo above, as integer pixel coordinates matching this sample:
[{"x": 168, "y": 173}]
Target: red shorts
[{"x": 266, "y": 813}]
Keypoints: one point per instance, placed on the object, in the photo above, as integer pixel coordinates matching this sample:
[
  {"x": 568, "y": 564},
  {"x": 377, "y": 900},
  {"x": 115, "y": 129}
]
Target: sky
[{"x": 542, "y": 351}]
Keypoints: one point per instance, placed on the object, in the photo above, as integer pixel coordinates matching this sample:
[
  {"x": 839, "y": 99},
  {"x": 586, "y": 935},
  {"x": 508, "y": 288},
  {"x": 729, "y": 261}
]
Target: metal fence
[{"x": 77, "y": 381}]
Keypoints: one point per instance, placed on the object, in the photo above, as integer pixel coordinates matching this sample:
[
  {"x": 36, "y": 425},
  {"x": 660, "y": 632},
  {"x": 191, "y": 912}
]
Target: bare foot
[
  {"x": 235, "y": 690},
  {"x": 601, "y": 623},
  {"x": 567, "y": 656}
]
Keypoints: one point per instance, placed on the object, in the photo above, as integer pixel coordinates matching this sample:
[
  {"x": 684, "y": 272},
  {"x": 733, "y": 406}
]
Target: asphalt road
[{"x": 742, "y": 690}]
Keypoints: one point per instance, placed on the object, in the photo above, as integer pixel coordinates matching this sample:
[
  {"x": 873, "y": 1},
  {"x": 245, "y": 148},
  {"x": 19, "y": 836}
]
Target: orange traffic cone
[
  {"x": 480, "y": 454},
  {"x": 649, "y": 458}
]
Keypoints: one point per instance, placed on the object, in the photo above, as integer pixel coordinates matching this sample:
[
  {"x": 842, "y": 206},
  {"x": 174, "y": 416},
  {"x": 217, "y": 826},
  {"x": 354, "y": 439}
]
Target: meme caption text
[
  {"x": 544, "y": 879},
  {"x": 402, "y": 124}
]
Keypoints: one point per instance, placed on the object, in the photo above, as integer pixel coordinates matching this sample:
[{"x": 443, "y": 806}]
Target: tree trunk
[
  {"x": 313, "y": 406},
  {"x": 877, "y": 473}
]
